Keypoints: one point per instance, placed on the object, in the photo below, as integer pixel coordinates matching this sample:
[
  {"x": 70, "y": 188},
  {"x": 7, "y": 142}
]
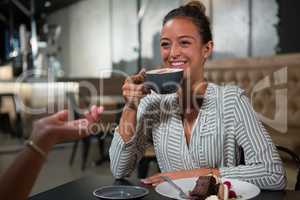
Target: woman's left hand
[{"x": 155, "y": 179}]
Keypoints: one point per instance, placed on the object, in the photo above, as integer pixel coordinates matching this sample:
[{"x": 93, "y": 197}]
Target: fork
[{"x": 182, "y": 194}]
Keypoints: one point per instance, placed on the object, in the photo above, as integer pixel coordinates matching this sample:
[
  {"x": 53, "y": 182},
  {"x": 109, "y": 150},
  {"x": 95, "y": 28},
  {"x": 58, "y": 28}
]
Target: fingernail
[
  {"x": 144, "y": 181},
  {"x": 143, "y": 71},
  {"x": 100, "y": 109}
]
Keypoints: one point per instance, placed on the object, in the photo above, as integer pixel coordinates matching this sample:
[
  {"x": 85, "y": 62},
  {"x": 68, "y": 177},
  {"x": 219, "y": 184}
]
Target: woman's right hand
[{"x": 134, "y": 90}]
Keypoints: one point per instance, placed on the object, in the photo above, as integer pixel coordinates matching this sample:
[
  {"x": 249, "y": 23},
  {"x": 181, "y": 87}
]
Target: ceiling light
[{"x": 47, "y": 4}]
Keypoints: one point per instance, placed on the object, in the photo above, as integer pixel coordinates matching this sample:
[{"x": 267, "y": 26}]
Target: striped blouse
[{"x": 226, "y": 122}]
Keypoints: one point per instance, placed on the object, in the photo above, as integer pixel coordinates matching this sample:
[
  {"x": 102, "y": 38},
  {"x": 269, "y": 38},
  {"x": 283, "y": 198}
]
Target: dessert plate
[{"x": 244, "y": 190}]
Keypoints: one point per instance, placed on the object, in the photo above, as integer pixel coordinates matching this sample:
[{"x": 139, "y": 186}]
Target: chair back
[
  {"x": 18, "y": 124},
  {"x": 73, "y": 106},
  {"x": 296, "y": 160}
]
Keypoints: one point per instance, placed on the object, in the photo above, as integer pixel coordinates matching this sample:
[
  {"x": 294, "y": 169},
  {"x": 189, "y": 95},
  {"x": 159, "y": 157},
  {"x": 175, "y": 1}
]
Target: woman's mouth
[{"x": 178, "y": 64}]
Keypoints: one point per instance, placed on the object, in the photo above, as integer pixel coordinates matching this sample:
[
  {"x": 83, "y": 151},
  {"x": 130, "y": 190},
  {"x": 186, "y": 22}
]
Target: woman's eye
[
  {"x": 164, "y": 44},
  {"x": 185, "y": 43}
]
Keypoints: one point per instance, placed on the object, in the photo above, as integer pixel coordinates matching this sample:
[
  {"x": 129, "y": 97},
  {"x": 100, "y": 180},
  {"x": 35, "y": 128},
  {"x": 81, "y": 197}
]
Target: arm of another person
[
  {"x": 18, "y": 180},
  {"x": 263, "y": 165}
]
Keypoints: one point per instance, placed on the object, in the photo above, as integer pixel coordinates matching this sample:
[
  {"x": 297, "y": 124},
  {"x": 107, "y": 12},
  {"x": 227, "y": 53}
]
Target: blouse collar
[{"x": 208, "y": 98}]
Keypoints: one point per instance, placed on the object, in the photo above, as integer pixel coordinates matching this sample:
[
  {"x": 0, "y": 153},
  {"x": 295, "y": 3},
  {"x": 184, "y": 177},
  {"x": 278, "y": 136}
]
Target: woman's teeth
[{"x": 177, "y": 64}]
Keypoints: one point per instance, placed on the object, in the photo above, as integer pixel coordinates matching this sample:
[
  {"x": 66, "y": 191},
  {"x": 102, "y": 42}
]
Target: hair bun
[{"x": 196, "y": 4}]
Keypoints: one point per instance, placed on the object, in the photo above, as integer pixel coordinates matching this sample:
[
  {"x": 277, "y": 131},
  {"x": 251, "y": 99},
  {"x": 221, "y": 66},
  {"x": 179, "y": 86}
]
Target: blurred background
[
  {"x": 97, "y": 35},
  {"x": 57, "y": 54}
]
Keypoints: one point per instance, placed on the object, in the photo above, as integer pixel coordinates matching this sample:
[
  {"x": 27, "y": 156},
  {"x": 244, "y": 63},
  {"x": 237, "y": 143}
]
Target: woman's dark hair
[{"x": 195, "y": 11}]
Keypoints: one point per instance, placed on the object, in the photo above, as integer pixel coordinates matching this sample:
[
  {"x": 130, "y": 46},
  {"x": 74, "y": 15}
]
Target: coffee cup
[{"x": 164, "y": 80}]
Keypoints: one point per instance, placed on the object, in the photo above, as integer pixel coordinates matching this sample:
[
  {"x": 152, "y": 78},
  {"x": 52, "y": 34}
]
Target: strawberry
[
  {"x": 228, "y": 184},
  {"x": 232, "y": 194}
]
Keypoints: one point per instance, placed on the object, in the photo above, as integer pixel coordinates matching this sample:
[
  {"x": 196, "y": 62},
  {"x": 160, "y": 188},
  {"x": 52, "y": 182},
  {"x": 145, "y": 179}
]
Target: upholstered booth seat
[{"x": 273, "y": 86}]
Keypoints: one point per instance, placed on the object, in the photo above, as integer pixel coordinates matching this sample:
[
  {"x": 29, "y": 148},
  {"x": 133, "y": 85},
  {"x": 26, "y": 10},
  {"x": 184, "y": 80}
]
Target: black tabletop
[{"x": 82, "y": 189}]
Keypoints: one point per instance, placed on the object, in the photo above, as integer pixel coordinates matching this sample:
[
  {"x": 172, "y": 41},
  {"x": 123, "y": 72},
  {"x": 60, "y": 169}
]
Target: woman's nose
[{"x": 175, "y": 51}]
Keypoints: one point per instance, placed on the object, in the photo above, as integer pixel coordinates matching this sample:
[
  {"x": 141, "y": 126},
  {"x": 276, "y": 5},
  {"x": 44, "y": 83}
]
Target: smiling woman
[
  {"x": 182, "y": 47},
  {"x": 199, "y": 129},
  {"x": 186, "y": 39}
]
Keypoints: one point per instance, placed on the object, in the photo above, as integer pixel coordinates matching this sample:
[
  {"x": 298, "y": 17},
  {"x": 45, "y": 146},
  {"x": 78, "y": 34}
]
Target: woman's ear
[{"x": 208, "y": 48}]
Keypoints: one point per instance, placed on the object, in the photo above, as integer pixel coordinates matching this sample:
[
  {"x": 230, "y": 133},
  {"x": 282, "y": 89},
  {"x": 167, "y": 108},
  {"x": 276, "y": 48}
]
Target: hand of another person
[
  {"x": 56, "y": 128},
  {"x": 133, "y": 89}
]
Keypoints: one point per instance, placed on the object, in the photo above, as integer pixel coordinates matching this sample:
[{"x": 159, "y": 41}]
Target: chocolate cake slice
[{"x": 205, "y": 187}]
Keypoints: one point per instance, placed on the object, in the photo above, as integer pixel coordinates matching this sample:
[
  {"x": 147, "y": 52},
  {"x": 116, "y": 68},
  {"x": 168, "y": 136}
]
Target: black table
[{"x": 82, "y": 189}]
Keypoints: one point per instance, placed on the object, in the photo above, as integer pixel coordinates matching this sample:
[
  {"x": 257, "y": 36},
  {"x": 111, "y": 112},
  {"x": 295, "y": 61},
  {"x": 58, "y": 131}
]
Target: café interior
[{"x": 72, "y": 54}]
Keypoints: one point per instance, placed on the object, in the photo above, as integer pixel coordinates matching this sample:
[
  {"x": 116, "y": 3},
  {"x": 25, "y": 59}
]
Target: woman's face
[{"x": 181, "y": 46}]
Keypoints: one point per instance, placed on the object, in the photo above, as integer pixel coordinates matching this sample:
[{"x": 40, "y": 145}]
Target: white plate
[{"x": 244, "y": 189}]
